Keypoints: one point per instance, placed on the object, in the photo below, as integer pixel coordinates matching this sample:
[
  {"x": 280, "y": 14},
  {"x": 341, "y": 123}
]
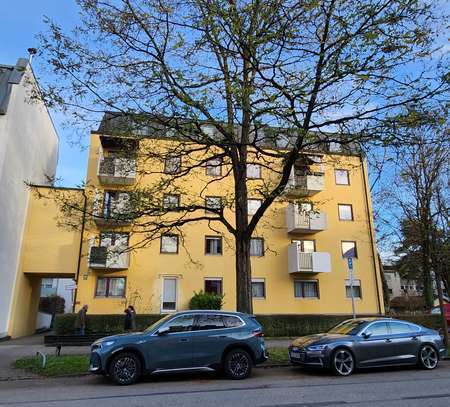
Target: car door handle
[
  {"x": 184, "y": 340},
  {"x": 388, "y": 341},
  {"x": 414, "y": 338}
]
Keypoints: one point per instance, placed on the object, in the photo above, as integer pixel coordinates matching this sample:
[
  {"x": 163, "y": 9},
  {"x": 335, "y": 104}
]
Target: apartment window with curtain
[
  {"x": 110, "y": 287},
  {"x": 213, "y": 245},
  {"x": 169, "y": 244},
  {"x": 342, "y": 177},
  {"x": 257, "y": 246},
  {"x": 306, "y": 289},
  {"x": 253, "y": 171},
  {"x": 253, "y": 205},
  {"x": 172, "y": 165},
  {"x": 306, "y": 245},
  {"x": 258, "y": 288},
  {"x": 213, "y": 285},
  {"x": 213, "y": 204},
  {"x": 171, "y": 201},
  {"x": 348, "y": 249},
  {"x": 214, "y": 167},
  {"x": 345, "y": 212},
  {"x": 356, "y": 289}
]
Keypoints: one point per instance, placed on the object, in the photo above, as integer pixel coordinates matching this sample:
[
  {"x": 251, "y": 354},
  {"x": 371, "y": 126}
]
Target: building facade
[
  {"x": 299, "y": 250},
  {"x": 28, "y": 153}
]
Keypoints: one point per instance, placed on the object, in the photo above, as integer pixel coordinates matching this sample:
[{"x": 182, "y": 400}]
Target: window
[
  {"x": 169, "y": 297},
  {"x": 345, "y": 212},
  {"x": 253, "y": 205},
  {"x": 356, "y": 289},
  {"x": 213, "y": 245},
  {"x": 342, "y": 177},
  {"x": 253, "y": 171},
  {"x": 169, "y": 244},
  {"x": 257, "y": 246},
  {"x": 213, "y": 285},
  {"x": 110, "y": 287},
  {"x": 213, "y": 202},
  {"x": 209, "y": 321},
  {"x": 183, "y": 323},
  {"x": 348, "y": 249},
  {"x": 401, "y": 328},
  {"x": 214, "y": 167},
  {"x": 306, "y": 246},
  {"x": 115, "y": 203},
  {"x": 171, "y": 201},
  {"x": 231, "y": 322},
  {"x": 47, "y": 283},
  {"x": 390, "y": 290},
  {"x": 306, "y": 289},
  {"x": 172, "y": 165},
  {"x": 305, "y": 207},
  {"x": 114, "y": 239},
  {"x": 258, "y": 288},
  {"x": 378, "y": 329}
]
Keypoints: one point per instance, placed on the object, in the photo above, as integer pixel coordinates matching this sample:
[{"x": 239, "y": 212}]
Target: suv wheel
[
  {"x": 428, "y": 357},
  {"x": 237, "y": 364},
  {"x": 342, "y": 362},
  {"x": 125, "y": 368}
]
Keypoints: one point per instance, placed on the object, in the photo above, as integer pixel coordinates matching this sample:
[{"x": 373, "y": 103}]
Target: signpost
[{"x": 350, "y": 276}]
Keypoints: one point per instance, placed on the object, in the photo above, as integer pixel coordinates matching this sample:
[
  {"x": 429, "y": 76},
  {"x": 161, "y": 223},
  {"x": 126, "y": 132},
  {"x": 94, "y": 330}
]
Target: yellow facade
[
  {"x": 191, "y": 266},
  {"x": 52, "y": 238}
]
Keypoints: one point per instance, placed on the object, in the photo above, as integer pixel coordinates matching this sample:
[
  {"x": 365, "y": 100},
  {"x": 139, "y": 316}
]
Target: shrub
[
  {"x": 408, "y": 304},
  {"x": 53, "y": 304},
  {"x": 202, "y": 300},
  {"x": 273, "y": 325}
]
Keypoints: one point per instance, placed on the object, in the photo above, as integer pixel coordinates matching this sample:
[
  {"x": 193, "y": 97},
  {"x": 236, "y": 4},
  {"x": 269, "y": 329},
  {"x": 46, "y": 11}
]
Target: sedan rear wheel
[
  {"x": 237, "y": 364},
  {"x": 428, "y": 357},
  {"x": 125, "y": 368},
  {"x": 343, "y": 362}
]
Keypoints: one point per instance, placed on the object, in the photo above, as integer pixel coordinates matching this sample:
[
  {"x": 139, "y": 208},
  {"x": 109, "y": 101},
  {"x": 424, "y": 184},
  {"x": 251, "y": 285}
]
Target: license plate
[{"x": 297, "y": 355}]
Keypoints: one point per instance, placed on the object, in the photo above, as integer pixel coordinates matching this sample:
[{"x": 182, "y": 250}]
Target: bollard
[{"x": 44, "y": 358}]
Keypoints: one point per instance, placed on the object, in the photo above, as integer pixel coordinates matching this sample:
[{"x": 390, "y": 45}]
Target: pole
[
  {"x": 352, "y": 293},
  {"x": 441, "y": 307}
]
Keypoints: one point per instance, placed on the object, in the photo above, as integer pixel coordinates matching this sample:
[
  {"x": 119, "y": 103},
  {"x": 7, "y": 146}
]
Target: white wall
[{"x": 28, "y": 152}]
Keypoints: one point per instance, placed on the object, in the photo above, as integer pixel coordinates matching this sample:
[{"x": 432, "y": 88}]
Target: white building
[{"x": 28, "y": 153}]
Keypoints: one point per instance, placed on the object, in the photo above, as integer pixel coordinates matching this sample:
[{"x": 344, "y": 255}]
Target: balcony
[
  {"x": 300, "y": 186},
  {"x": 300, "y": 262},
  {"x": 304, "y": 221},
  {"x": 108, "y": 258},
  {"x": 117, "y": 171},
  {"x": 113, "y": 210}
]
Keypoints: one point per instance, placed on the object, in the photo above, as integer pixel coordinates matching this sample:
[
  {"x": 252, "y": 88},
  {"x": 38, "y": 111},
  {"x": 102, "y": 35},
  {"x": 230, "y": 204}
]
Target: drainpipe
[
  {"x": 372, "y": 242},
  {"x": 80, "y": 250}
]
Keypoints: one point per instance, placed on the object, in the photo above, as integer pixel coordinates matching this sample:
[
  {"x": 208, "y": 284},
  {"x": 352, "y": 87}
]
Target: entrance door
[{"x": 169, "y": 295}]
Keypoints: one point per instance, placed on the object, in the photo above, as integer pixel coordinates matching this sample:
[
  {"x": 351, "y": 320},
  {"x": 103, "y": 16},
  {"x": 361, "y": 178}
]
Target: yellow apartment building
[{"x": 299, "y": 251}]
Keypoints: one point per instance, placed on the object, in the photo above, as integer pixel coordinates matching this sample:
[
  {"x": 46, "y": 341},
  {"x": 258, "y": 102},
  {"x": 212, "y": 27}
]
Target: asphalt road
[{"x": 274, "y": 387}]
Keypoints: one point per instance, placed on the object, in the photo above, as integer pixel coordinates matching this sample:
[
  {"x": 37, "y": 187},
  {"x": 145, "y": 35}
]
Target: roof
[{"x": 10, "y": 75}]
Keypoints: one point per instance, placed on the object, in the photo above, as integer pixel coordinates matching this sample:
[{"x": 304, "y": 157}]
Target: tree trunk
[
  {"x": 427, "y": 281},
  {"x": 243, "y": 275}
]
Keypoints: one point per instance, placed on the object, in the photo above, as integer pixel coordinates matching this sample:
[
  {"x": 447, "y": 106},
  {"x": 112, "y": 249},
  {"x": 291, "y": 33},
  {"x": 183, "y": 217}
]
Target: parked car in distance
[
  {"x": 437, "y": 310},
  {"x": 184, "y": 341},
  {"x": 369, "y": 342}
]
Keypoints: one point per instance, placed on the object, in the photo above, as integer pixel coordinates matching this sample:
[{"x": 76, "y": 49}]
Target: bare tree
[{"x": 235, "y": 82}]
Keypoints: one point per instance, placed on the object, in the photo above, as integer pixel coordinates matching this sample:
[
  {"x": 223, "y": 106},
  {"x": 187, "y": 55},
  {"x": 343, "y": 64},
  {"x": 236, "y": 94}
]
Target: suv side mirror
[
  {"x": 367, "y": 335},
  {"x": 163, "y": 331}
]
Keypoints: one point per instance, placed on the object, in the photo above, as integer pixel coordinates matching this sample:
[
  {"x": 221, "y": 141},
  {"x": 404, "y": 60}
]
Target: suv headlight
[
  {"x": 316, "y": 348},
  {"x": 99, "y": 344}
]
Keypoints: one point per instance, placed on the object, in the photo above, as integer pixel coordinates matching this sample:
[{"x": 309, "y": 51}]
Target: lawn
[
  {"x": 56, "y": 365},
  {"x": 278, "y": 355}
]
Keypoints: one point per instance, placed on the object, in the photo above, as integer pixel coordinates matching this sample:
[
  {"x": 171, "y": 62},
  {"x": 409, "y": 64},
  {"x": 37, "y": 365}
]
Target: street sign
[{"x": 350, "y": 263}]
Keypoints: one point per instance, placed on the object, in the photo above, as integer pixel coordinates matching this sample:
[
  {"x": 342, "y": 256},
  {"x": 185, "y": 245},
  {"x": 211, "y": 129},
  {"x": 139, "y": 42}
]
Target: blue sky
[{"x": 20, "y": 21}]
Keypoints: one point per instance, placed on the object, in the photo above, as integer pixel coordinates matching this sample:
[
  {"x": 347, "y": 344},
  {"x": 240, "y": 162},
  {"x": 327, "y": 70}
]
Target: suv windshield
[{"x": 350, "y": 327}]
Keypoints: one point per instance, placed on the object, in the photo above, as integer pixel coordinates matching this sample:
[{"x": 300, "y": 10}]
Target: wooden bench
[{"x": 58, "y": 341}]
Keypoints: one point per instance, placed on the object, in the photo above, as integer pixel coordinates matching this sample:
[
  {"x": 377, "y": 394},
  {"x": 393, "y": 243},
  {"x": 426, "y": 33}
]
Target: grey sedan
[{"x": 369, "y": 342}]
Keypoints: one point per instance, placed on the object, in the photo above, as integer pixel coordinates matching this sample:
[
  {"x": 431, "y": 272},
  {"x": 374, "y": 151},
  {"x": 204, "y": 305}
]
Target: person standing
[
  {"x": 130, "y": 319},
  {"x": 80, "y": 321},
  {"x": 133, "y": 317}
]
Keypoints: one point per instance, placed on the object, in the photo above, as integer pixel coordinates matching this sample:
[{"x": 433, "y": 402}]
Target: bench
[{"x": 58, "y": 341}]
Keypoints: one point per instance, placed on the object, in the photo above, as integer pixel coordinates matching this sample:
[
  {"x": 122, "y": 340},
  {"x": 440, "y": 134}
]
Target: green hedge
[{"x": 273, "y": 325}]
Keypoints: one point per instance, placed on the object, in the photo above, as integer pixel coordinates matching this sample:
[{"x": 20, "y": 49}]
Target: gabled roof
[{"x": 10, "y": 75}]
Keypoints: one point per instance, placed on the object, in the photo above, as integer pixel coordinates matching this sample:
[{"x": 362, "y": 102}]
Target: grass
[
  {"x": 278, "y": 355},
  {"x": 55, "y": 366}
]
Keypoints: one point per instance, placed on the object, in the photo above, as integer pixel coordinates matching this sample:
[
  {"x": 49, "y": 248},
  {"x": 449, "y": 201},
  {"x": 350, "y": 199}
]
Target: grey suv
[{"x": 185, "y": 341}]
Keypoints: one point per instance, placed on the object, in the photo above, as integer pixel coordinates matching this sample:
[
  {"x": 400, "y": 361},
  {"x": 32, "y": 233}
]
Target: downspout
[
  {"x": 372, "y": 241},
  {"x": 79, "y": 251}
]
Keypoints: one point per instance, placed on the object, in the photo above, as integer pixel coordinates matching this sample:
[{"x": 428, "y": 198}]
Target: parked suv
[{"x": 184, "y": 341}]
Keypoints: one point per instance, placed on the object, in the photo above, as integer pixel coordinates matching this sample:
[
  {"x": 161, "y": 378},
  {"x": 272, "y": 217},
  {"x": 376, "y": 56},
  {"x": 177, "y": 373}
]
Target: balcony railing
[
  {"x": 113, "y": 212},
  {"x": 300, "y": 262},
  {"x": 304, "y": 221},
  {"x": 305, "y": 185},
  {"x": 108, "y": 258},
  {"x": 115, "y": 170}
]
